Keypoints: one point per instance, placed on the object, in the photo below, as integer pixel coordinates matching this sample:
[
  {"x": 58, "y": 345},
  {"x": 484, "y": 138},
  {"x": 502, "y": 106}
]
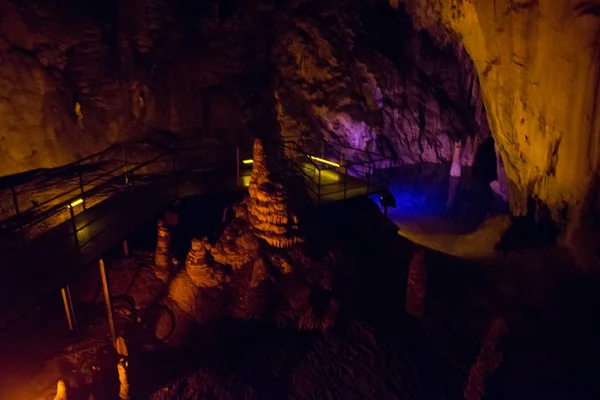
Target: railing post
[
  {"x": 237, "y": 166},
  {"x": 345, "y": 181},
  {"x": 368, "y": 177},
  {"x": 74, "y": 225},
  {"x": 68, "y": 304},
  {"x": 106, "y": 289},
  {"x": 125, "y": 165},
  {"x": 319, "y": 186},
  {"x": 81, "y": 183}
]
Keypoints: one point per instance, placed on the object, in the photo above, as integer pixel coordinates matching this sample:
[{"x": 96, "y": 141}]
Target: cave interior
[{"x": 299, "y": 199}]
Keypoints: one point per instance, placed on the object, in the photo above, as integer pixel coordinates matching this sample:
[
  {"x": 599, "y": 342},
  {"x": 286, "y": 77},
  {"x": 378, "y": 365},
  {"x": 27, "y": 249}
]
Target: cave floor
[{"x": 375, "y": 351}]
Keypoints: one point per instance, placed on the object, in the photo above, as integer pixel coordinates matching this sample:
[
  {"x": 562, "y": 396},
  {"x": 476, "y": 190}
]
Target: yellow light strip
[
  {"x": 76, "y": 203},
  {"x": 247, "y": 161},
  {"x": 324, "y": 161}
]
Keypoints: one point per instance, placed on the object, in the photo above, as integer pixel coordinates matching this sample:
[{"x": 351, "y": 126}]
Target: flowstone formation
[{"x": 259, "y": 268}]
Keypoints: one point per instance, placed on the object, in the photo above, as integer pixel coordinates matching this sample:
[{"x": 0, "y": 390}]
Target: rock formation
[
  {"x": 257, "y": 267},
  {"x": 82, "y": 77},
  {"x": 270, "y": 206},
  {"x": 489, "y": 359},
  {"x": 416, "y": 286},
  {"x": 162, "y": 257},
  {"x": 538, "y": 67},
  {"x": 199, "y": 268},
  {"x": 343, "y": 80},
  {"x": 61, "y": 391}
]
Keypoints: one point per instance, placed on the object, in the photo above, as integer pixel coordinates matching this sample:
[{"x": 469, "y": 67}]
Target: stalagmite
[
  {"x": 416, "y": 287},
  {"x": 270, "y": 211},
  {"x": 198, "y": 267},
  {"x": 123, "y": 384},
  {"x": 122, "y": 365},
  {"x": 500, "y": 185},
  {"x": 490, "y": 358},
  {"x": 162, "y": 258},
  {"x": 61, "y": 391},
  {"x": 455, "y": 173}
]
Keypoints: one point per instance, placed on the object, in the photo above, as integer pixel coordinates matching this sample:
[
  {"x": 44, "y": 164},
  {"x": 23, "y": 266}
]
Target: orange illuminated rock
[
  {"x": 197, "y": 265},
  {"x": 270, "y": 206},
  {"x": 416, "y": 287},
  {"x": 237, "y": 245},
  {"x": 61, "y": 391},
  {"x": 538, "y": 68},
  {"x": 162, "y": 257},
  {"x": 489, "y": 359}
]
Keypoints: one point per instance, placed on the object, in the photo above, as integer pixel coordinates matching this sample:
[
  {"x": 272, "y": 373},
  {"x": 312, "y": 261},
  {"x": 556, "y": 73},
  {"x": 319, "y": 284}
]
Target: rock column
[
  {"x": 416, "y": 287},
  {"x": 269, "y": 207},
  {"x": 455, "y": 172},
  {"x": 162, "y": 257}
]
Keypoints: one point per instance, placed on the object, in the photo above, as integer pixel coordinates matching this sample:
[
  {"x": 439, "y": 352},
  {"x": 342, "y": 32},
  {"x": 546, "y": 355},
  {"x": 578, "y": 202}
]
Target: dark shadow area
[{"x": 535, "y": 230}]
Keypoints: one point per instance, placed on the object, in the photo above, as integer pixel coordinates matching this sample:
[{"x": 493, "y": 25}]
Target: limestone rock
[
  {"x": 260, "y": 272},
  {"x": 61, "y": 391},
  {"x": 270, "y": 207},
  {"x": 416, "y": 287},
  {"x": 543, "y": 119},
  {"x": 237, "y": 245},
  {"x": 199, "y": 269},
  {"x": 162, "y": 258},
  {"x": 489, "y": 359},
  {"x": 340, "y": 89},
  {"x": 185, "y": 294},
  {"x": 282, "y": 263}
]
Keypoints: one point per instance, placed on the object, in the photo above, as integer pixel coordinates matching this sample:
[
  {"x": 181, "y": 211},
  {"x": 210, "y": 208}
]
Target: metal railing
[
  {"x": 113, "y": 170},
  {"x": 335, "y": 171}
]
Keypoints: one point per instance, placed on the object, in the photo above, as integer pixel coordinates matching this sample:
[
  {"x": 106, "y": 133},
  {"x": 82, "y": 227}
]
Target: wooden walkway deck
[{"x": 36, "y": 269}]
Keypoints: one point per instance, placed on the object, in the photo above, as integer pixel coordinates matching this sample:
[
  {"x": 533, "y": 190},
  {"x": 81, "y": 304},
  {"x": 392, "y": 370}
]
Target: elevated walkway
[{"x": 109, "y": 194}]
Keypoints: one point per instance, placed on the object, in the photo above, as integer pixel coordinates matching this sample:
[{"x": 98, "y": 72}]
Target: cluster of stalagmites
[{"x": 259, "y": 236}]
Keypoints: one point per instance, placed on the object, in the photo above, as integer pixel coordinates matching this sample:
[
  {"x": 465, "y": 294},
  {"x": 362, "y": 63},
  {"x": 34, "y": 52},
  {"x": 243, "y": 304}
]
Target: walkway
[
  {"x": 55, "y": 257},
  {"x": 37, "y": 268}
]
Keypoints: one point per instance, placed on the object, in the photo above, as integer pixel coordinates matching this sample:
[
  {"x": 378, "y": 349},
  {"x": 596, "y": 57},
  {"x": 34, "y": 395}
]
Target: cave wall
[
  {"x": 79, "y": 76},
  {"x": 343, "y": 76},
  {"x": 76, "y": 77},
  {"x": 538, "y": 67}
]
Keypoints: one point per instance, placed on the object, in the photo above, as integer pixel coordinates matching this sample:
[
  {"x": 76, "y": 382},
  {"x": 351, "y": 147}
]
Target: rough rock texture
[
  {"x": 416, "y": 285},
  {"x": 199, "y": 268},
  {"x": 488, "y": 361},
  {"x": 341, "y": 78},
  {"x": 77, "y": 77},
  {"x": 257, "y": 269},
  {"x": 271, "y": 205},
  {"x": 538, "y": 67},
  {"x": 162, "y": 256}
]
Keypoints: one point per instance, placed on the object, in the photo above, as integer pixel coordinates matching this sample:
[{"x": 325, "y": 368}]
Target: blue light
[{"x": 413, "y": 202}]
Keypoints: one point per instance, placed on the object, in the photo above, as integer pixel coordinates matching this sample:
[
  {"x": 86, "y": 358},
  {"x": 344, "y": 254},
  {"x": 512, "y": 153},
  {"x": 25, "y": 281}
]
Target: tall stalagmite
[{"x": 270, "y": 209}]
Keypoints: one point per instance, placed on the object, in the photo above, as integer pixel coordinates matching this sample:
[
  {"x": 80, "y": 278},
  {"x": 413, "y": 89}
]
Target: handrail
[{"x": 33, "y": 215}]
